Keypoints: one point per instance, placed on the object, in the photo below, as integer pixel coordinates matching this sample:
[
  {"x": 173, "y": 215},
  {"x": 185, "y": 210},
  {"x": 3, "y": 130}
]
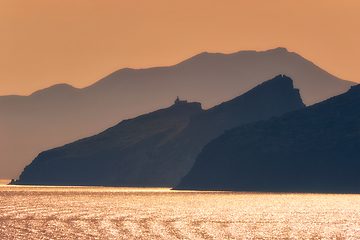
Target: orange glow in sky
[{"x": 78, "y": 42}]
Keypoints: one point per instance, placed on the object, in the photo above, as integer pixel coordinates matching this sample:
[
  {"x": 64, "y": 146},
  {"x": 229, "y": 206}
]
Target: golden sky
[{"x": 44, "y": 42}]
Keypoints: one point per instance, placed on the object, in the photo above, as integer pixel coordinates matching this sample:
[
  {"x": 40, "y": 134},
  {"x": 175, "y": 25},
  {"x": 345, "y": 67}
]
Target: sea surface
[{"x": 39, "y": 212}]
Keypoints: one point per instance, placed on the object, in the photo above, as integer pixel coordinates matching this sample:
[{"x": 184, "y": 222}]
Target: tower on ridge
[{"x": 178, "y": 101}]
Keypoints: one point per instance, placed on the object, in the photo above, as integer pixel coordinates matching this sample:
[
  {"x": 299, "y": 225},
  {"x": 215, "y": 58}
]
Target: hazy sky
[{"x": 44, "y": 42}]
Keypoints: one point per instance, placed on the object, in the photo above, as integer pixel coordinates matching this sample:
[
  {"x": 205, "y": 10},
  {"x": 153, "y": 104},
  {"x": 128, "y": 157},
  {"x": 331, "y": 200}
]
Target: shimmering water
[{"x": 130, "y": 213}]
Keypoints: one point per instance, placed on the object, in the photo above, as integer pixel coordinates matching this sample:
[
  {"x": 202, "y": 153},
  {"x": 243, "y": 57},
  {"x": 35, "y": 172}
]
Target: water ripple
[{"x": 133, "y": 213}]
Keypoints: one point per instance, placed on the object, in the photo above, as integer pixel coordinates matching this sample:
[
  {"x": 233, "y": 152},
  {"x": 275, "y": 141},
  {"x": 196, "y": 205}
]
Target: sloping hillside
[
  {"x": 61, "y": 114},
  {"x": 158, "y": 148},
  {"x": 315, "y": 149}
]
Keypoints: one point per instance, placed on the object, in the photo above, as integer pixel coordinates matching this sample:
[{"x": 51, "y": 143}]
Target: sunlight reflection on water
[{"x": 30, "y": 212}]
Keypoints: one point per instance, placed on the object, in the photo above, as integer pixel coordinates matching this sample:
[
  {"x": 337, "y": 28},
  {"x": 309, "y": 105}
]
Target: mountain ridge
[
  {"x": 195, "y": 58},
  {"x": 158, "y": 148},
  {"x": 34, "y": 124},
  {"x": 314, "y": 149}
]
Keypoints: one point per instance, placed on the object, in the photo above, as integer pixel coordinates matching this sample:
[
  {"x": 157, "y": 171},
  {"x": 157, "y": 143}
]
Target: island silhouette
[
  {"x": 313, "y": 150},
  {"x": 62, "y": 114},
  {"x": 158, "y": 148}
]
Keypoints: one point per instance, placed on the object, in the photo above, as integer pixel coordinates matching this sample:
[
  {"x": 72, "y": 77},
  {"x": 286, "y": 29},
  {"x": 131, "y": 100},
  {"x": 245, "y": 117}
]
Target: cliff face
[
  {"x": 316, "y": 149},
  {"x": 271, "y": 98},
  {"x": 158, "y": 148}
]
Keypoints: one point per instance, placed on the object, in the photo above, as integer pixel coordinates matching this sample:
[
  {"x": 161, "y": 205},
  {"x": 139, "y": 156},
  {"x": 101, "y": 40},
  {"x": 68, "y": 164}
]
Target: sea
[{"x": 51, "y": 212}]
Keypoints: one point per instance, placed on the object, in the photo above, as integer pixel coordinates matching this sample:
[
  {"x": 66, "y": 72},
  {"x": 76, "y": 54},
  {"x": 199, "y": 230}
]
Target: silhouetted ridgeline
[
  {"x": 316, "y": 149},
  {"x": 158, "y": 148},
  {"x": 61, "y": 114},
  {"x": 119, "y": 152},
  {"x": 272, "y": 98}
]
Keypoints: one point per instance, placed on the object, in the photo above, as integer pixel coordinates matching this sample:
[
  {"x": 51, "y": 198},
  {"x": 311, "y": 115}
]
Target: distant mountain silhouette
[
  {"x": 158, "y": 148},
  {"x": 61, "y": 114},
  {"x": 316, "y": 149}
]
